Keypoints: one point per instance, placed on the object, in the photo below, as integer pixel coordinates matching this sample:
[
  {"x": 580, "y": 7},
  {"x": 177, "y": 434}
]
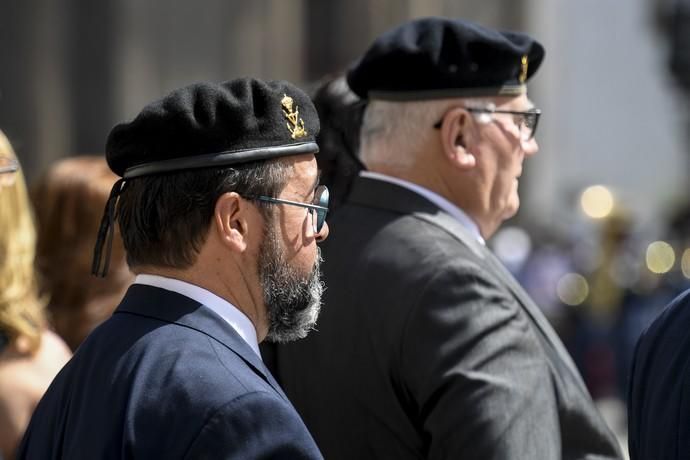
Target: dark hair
[
  {"x": 164, "y": 219},
  {"x": 340, "y": 112}
]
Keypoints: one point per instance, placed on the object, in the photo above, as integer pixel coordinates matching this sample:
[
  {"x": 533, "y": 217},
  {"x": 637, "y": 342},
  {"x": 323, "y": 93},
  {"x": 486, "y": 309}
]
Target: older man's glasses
[
  {"x": 8, "y": 171},
  {"x": 318, "y": 208},
  {"x": 526, "y": 121}
]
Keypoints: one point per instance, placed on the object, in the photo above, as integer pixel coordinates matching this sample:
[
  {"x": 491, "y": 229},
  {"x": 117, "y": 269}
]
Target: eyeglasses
[
  {"x": 8, "y": 169},
  {"x": 526, "y": 121},
  {"x": 8, "y": 165},
  {"x": 318, "y": 207}
]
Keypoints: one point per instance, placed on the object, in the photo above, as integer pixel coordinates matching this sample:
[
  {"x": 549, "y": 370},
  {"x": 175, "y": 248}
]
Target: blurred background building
[
  {"x": 601, "y": 240},
  {"x": 613, "y": 114},
  {"x": 72, "y": 69}
]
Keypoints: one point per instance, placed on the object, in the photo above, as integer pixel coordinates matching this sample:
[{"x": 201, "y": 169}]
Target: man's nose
[
  {"x": 530, "y": 147},
  {"x": 323, "y": 234}
]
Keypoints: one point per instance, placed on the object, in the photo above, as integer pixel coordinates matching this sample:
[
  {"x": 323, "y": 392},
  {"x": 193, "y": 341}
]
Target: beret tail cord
[{"x": 106, "y": 230}]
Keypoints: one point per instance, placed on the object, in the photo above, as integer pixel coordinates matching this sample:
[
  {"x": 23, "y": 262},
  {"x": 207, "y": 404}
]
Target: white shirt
[
  {"x": 231, "y": 314},
  {"x": 457, "y": 213}
]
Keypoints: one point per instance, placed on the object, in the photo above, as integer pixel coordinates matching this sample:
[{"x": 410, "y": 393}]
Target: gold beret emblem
[
  {"x": 295, "y": 124},
  {"x": 523, "y": 69}
]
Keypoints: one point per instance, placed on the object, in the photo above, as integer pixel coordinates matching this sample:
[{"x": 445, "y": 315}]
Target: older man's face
[
  {"x": 501, "y": 155},
  {"x": 289, "y": 259}
]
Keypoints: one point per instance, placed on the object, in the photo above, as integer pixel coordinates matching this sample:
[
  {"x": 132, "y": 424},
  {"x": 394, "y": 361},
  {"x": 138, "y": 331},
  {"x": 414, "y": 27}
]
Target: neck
[
  {"x": 445, "y": 181},
  {"x": 236, "y": 289}
]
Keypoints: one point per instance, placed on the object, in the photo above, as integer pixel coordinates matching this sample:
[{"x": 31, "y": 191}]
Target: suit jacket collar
[
  {"x": 171, "y": 307},
  {"x": 386, "y": 195},
  {"x": 391, "y": 197}
]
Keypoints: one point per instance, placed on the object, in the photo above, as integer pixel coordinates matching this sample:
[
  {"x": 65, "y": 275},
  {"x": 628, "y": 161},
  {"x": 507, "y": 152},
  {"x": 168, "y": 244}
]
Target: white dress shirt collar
[
  {"x": 435, "y": 198},
  {"x": 231, "y": 314}
]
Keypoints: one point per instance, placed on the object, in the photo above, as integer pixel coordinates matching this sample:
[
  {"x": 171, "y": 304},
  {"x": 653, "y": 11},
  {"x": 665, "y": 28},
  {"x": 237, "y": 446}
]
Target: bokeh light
[
  {"x": 685, "y": 263},
  {"x": 660, "y": 257},
  {"x": 596, "y": 201},
  {"x": 572, "y": 289},
  {"x": 512, "y": 245}
]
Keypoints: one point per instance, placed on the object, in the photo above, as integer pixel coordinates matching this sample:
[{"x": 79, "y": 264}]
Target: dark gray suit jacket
[
  {"x": 165, "y": 377},
  {"x": 659, "y": 390},
  {"x": 428, "y": 348}
]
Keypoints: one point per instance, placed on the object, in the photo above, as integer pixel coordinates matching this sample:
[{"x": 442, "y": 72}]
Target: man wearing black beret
[
  {"x": 220, "y": 212},
  {"x": 427, "y": 346}
]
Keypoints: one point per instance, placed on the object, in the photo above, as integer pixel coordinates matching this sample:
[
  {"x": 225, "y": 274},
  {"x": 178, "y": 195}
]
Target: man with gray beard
[
  {"x": 294, "y": 300},
  {"x": 220, "y": 212}
]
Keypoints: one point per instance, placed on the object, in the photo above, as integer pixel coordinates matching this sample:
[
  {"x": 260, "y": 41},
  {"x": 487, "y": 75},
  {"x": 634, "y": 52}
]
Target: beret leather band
[
  {"x": 220, "y": 159},
  {"x": 447, "y": 93}
]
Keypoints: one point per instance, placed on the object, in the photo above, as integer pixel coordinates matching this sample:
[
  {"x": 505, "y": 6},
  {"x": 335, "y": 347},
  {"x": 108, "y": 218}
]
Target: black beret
[
  {"x": 211, "y": 125},
  {"x": 433, "y": 58}
]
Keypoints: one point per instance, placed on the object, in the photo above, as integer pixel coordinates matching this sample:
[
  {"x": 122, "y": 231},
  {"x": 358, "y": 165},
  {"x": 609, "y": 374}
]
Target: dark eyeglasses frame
[
  {"x": 531, "y": 113},
  {"x": 12, "y": 166},
  {"x": 319, "y": 207}
]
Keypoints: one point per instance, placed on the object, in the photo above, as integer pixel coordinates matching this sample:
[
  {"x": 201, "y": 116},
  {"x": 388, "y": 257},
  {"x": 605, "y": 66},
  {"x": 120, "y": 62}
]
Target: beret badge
[
  {"x": 295, "y": 124},
  {"x": 523, "y": 69}
]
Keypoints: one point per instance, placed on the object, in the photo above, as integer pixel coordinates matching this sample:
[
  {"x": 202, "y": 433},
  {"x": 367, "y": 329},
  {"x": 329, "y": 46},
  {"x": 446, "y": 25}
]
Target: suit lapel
[
  {"x": 175, "y": 308},
  {"x": 384, "y": 195},
  {"x": 456, "y": 229},
  {"x": 535, "y": 313}
]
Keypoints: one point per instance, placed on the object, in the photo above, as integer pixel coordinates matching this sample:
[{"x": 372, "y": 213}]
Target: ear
[
  {"x": 232, "y": 221},
  {"x": 456, "y": 136}
]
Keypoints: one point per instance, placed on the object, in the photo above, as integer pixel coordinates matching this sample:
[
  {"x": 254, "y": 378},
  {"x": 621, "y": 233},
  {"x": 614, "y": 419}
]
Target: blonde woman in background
[{"x": 30, "y": 354}]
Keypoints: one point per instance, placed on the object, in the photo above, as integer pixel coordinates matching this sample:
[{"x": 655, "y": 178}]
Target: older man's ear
[{"x": 455, "y": 134}]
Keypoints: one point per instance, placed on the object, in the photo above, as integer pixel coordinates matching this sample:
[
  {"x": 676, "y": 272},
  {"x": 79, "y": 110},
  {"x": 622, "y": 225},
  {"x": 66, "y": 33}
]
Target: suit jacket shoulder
[
  {"x": 153, "y": 380},
  {"x": 659, "y": 390}
]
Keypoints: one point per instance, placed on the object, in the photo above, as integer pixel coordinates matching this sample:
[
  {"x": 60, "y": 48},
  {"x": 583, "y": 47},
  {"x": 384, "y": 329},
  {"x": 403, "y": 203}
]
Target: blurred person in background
[
  {"x": 69, "y": 201},
  {"x": 659, "y": 380},
  {"x": 598, "y": 318},
  {"x": 659, "y": 386},
  {"x": 340, "y": 111},
  {"x": 30, "y": 354},
  {"x": 427, "y": 347}
]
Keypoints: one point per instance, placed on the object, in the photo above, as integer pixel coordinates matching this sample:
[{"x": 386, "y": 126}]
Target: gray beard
[{"x": 292, "y": 298}]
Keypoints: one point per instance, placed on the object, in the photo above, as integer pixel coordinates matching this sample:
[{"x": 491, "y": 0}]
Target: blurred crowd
[{"x": 601, "y": 283}]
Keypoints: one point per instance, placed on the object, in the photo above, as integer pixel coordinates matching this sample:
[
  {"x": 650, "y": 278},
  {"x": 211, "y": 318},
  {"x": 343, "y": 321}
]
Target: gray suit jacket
[{"x": 428, "y": 348}]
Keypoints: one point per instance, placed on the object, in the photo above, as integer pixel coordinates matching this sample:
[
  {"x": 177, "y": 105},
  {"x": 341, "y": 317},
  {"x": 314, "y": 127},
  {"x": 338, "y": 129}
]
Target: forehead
[
  {"x": 305, "y": 171},
  {"x": 521, "y": 102}
]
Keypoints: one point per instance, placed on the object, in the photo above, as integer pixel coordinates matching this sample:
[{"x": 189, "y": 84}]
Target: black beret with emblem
[
  {"x": 435, "y": 57},
  {"x": 214, "y": 125},
  {"x": 206, "y": 125}
]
